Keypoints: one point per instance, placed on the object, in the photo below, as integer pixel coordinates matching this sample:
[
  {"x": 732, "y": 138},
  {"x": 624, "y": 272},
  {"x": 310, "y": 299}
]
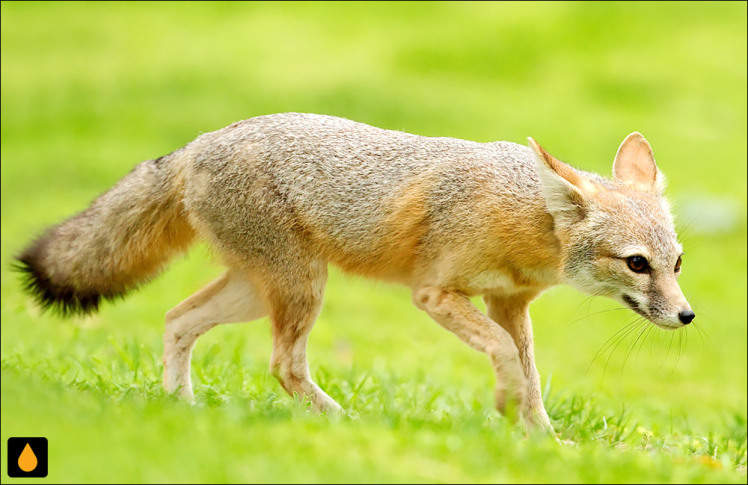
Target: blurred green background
[{"x": 91, "y": 89}]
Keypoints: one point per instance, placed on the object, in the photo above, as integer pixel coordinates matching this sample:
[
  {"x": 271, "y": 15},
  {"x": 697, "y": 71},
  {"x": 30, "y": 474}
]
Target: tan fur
[
  {"x": 229, "y": 299},
  {"x": 405, "y": 224},
  {"x": 513, "y": 314},
  {"x": 281, "y": 196}
]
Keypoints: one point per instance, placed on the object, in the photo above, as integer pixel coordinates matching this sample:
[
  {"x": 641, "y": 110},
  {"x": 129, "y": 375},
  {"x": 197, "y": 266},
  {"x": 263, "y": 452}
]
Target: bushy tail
[{"x": 123, "y": 239}]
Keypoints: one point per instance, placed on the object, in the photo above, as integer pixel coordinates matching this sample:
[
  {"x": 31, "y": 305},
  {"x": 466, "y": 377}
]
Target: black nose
[{"x": 686, "y": 316}]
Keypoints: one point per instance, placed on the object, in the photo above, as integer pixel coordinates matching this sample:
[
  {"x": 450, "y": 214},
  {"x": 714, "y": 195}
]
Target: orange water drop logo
[{"x": 27, "y": 461}]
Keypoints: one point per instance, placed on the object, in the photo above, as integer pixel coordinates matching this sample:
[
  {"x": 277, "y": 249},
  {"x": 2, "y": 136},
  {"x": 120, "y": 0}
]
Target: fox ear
[
  {"x": 635, "y": 165},
  {"x": 563, "y": 187}
]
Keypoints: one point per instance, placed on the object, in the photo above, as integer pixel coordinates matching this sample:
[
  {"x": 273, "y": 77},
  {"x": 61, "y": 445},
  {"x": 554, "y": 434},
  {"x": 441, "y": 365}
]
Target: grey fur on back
[{"x": 337, "y": 181}]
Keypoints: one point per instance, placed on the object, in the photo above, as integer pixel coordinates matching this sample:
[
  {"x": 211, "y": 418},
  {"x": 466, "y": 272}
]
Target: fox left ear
[
  {"x": 635, "y": 165},
  {"x": 566, "y": 191}
]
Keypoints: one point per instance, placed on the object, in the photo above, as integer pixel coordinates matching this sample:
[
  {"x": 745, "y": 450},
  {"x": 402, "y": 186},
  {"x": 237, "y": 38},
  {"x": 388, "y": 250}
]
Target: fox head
[{"x": 618, "y": 236}]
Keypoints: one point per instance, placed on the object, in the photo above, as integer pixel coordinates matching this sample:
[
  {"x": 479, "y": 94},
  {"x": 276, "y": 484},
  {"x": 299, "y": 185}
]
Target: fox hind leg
[
  {"x": 294, "y": 306},
  {"x": 229, "y": 299}
]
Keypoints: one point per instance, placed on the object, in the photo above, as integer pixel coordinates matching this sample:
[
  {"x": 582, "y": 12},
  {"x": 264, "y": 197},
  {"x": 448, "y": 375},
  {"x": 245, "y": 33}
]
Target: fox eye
[
  {"x": 677, "y": 264},
  {"x": 638, "y": 264}
]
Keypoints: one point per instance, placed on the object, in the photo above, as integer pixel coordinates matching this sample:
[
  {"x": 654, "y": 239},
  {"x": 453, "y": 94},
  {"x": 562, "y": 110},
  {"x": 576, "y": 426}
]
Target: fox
[{"x": 280, "y": 197}]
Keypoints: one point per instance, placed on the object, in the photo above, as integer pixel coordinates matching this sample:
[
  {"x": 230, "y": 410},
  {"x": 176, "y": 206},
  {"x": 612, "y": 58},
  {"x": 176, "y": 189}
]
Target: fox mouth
[
  {"x": 635, "y": 306},
  {"x": 638, "y": 309}
]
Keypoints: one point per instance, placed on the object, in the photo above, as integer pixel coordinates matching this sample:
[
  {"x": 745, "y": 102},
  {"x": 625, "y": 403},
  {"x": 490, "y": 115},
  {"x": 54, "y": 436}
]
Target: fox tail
[{"x": 122, "y": 240}]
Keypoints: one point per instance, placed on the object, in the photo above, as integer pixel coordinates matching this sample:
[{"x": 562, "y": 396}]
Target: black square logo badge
[{"x": 27, "y": 457}]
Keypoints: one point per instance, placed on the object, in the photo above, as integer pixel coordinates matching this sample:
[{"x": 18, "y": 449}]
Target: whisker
[
  {"x": 630, "y": 348},
  {"x": 632, "y": 328},
  {"x": 679, "y": 353},
  {"x": 702, "y": 334},
  {"x": 609, "y": 342},
  {"x": 682, "y": 342},
  {"x": 644, "y": 340},
  {"x": 700, "y": 328},
  {"x": 669, "y": 347},
  {"x": 587, "y": 300},
  {"x": 655, "y": 333},
  {"x": 685, "y": 230},
  {"x": 596, "y": 313}
]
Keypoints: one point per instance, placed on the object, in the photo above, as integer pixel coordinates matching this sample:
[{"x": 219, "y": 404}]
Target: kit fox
[{"x": 281, "y": 196}]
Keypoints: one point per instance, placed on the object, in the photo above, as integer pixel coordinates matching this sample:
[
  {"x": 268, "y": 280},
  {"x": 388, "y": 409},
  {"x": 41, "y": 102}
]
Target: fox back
[{"x": 375, "y": 202}]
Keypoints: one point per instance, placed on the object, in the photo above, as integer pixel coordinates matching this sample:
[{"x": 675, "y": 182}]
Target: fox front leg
[
  {"x": 512, "y": 313},
  {"x": 455, "y": 312}
]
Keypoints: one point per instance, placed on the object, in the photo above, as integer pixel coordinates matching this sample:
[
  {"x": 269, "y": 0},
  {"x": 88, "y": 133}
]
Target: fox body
[{"x": 281, "y": 196}]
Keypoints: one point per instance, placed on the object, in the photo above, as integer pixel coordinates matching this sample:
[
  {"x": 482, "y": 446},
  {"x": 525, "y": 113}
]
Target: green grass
[{"x": 88, "y": 90}]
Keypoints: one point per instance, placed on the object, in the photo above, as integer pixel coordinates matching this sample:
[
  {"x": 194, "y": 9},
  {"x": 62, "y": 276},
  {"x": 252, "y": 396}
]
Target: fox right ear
[
  {"x": 635, "y": 165},
  {"x": 562, "y": 187}
]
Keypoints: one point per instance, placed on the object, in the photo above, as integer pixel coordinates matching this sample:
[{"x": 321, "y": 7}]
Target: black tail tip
[{"x": 61, "y": 299}]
